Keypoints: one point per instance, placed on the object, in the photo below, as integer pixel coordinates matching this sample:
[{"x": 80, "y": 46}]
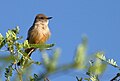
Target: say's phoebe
[{"x": 38, "y": 33}]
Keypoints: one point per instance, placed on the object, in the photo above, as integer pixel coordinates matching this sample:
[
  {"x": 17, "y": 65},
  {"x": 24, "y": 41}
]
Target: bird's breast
[{"x": 39, "y": 34}]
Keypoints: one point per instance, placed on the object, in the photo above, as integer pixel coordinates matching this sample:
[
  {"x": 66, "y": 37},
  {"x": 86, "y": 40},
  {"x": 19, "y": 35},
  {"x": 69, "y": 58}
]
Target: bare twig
[
  {"x": 46, "y": 79},
  {"x": 115, "y": 78},
  {"x": 78, "y": 79},
  {"x": 19, "y": 73},
  {"x": 30, "y": 52},
  {"x": 27, "y": 57}
]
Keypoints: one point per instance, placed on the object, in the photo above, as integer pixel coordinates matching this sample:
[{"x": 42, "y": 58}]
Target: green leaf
[
  {"x": 46, "y": 58},
  {"x": 50, "y": 63},
  {"x": 97, "y": 68},
  {"x": 8, "y": 72},
  {"x": 41, "y": 46},
  {"x": 101, "y": 56},
  {"x": 94, "y": 78},
  {"x": 112, "y": 62},
  {"x": 35, "y": 75},
  {"x": 19, "y": 45},
  {"x": 53, "y": 61},
  {"x": 16, "y": 30},
  {"x": 79, "y": 61},
  {"x": 7, "y": 58},
  {"x": 2, "y": 41},
  {"x": 26, "y": 44},
  {"x": 38, "y": 63},
  {"x": 1, "y": 37}
]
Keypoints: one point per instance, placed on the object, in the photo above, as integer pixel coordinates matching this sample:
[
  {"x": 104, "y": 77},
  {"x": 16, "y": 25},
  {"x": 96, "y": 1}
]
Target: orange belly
[{"x": 38, "y": 37}]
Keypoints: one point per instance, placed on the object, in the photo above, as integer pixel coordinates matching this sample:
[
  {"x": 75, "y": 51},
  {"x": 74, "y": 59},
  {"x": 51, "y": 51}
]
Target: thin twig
[
  {"x": 115, "y": 78},
  {"x": 30, "y": 52},
  {"x": 19, "y": 73},
  {"x": 46, "y": 79},
  {"x": 78, "y": 79},
  {"x": 27, "y": 57}
]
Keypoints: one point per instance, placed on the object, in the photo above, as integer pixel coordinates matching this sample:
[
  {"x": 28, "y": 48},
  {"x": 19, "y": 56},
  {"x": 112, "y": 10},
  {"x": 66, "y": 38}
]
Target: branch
[{"x": 118, "y": 75}]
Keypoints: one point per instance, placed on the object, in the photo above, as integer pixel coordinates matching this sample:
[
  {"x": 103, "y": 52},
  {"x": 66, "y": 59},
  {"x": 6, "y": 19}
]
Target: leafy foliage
[
  {"x": 8, "y": 72},
  {"x": 102, "y": 57},
  {"x": 11, "y": 44},
  {"x": 16, "y": 50},
  {"x": 79, "y": 61}
]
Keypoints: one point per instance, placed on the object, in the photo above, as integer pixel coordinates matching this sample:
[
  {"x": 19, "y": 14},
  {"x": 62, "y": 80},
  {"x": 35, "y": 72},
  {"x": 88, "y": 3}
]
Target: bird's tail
[{"x": 29, "y": 51}]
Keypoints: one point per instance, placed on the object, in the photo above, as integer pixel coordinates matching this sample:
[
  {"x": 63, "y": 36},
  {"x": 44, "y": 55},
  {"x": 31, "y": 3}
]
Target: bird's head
[{"x": 41, "y": 18}]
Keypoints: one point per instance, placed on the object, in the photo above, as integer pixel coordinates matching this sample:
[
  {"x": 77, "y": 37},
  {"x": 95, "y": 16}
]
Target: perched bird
[{"x": 38, "y": 33}]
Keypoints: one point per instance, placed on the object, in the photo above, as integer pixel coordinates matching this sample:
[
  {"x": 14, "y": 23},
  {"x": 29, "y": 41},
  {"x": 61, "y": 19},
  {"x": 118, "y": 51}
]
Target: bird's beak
[{"x": 49, "y": 17}]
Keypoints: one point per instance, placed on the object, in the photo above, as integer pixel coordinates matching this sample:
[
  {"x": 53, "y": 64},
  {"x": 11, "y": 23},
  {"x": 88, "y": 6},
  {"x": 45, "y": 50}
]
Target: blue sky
[{"x": 99, "y": 20}]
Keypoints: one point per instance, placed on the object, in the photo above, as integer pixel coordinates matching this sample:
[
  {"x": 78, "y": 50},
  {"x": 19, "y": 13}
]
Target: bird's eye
[{"x": 41, "y": 18}]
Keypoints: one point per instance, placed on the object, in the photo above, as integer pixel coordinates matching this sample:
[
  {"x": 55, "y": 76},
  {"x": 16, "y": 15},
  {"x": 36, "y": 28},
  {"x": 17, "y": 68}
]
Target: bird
[{"x": 38, "y": 33}]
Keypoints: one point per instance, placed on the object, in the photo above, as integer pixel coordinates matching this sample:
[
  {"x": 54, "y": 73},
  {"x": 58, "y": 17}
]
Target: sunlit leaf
[
  {"x": 54, "y": 60},
  {"x": 112, "y": 62},
  {"x": 79, "y": 61},
  {"x": 1, "y": 37},
  {"x": 50, "y": 63},
  {"x": 97, "y": 68},
  {"x": 101, "y": 56},
  {"x": 26, "y": 44},
  {"x": 7, "y": 58},
  {"x": 19, "y": 45},
  {"x": 42, "y": 46},
  {"x": 38, "y": 63},
  {"x": 16, "y": 30},
  {"x": 45, "y": 58},
  {"x": 8, "y": 72},
  {"x": 2, "y": 43},
  {"x": 94, "y": 78},
  {"x": 10, "y": 36}
]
